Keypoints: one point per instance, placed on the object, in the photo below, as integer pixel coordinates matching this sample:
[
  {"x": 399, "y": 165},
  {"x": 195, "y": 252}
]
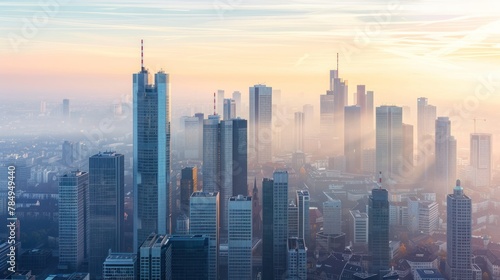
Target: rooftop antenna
[
  {"x": 142, "y": 55},
  {"x": 215, "y": 113},
  {"x": 337, "y": 62}
]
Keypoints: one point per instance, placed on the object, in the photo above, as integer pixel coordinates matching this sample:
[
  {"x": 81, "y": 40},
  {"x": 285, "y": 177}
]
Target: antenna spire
[
  {"x": 142, "y": 55},
  {"x": 337, "y": 62}
]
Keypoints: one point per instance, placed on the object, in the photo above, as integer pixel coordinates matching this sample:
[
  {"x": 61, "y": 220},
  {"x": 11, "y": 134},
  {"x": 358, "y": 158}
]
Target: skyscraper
[
  {"x": 204, "y": 219},
  {"x": 189, "y": 184},
  {"x": 237, "y": 102},
  {"x": 352, "y": 140},
  {"x": 193, "y": 137},
  {"x": 220, "y": 102},
  {"x": 378, "y": 230},
  {"x": 260, "y": 124},
  {"x": 303, "y": 216},
  {"x": 340, "y": 100},
  {"x": 293, "y": 220},
  {"x": 407, "y": 147},
  {"x": 211, "y": 154},
  {"x": 326, "y": 115},
  {"x": 275, "y": 225},
  {"x": 459, "y": 235},
  {"x": 240, "y": 237},
  {"x": 151, "y": 154},
  {"x": 73, "y": 219},
  {"x": 68, "y": 156},
  {"x": 65, "y": 108},
  {"x": 426, "y": 116},
  {"x": 389, "y": 131},
  {"x": 364, "y": 99},
  {"x": 106, "y": 208},
  {"x": 446, "y": 156},
  {"x": 480, "y": 159},
  {"x": 299, "y": 131},
  {"x": 229, "y": 109},
  {"x": 233, "y": 162}
]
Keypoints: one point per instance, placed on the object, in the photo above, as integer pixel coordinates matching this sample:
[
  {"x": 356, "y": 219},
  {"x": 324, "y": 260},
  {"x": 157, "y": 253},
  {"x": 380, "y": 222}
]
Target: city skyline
[{"x": 407, "y": 37}]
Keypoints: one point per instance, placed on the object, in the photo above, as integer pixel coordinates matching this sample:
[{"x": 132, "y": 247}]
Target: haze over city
[{"x": 284, "y": 140}]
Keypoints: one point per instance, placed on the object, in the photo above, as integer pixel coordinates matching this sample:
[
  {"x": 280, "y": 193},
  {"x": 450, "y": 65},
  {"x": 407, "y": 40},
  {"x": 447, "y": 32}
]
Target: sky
[{"x": 446, "y": 50}]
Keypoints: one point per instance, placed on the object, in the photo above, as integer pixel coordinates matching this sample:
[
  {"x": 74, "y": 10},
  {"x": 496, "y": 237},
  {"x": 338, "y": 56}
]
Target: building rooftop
[
  {"x": 240, "y": 198},
  {"x": 204, "y": 194},
  {"x": 296, "y": 243},
  {"x": 429, "y": 273}
]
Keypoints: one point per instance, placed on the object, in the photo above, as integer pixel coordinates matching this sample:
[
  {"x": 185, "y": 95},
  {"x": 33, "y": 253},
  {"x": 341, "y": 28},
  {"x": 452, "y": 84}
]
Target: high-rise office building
[
  {"x": 73, "y": 219},
  {"x": 302, "y": 201},
  {"x": 480, "y": 159},
  {"x": 275, "y": 225},
  {"x": 151, "y": 154},
  {"x": 189, "y": 184},
  {"x": 446, "y": 156},
  {"x": 153, "y": 258},
  {"x": 256, "y": 211},
  {"x": 326, "y": 112},
  {"x": 260, "y": 124},
  {"x": 407, "y": 147},
  {"x": 364, "y": 99},
  {"x": 187, "y": 257},
  {"x": 65, "y": 108},
  {"x": 352, "y": 140},
  {"x": 426, "y": 120},
  {"x": 332, "y": 217},
  {"x": 211, "y": 154},
  {"x": 193, "y": 138},
  {"x": 237, "y": 102},
  {"x": 220, "y": 102},
  {"x": 229, "y": 109},
  {"x": 106, "y": 208},
  {"x": 121, "y": 266},
  {"x": 340, "y": 100},
  {"x": 296, "y": 259},
  {"x": 239, "y": 258},
  {"x": 459, "y": 235},
  {"x": 204, "y": 219},
  {"x": 378, "y": 230},
  {"x": 389, "y": 131},
  {"x": 299, "y": 131}
]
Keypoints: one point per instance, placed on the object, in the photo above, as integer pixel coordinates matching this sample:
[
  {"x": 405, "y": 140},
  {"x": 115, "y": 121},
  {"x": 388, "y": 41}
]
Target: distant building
[
  {"x": 480, "y": 159},
  {"x": 121, "y": 266},
  {"x": 352, "y": 138},
  {"x": 260, "y": 124},
  {"x": 296, "y": 259},
  {"x": 189, "y": 184},
  {"x": 299, "y": 131},
  {"x": 73, "y": 220},
  {"x": 428, "y": 274},
  {"x": 65, "y": 108},
  {"x": 426, "y": 117},
  {"x": 293, "y": 220},
  {"x": 389, "y": 131},
  {"x": 229, "y": 109},
  {"x": 446, "y": 156},
  {"x": 332, "y": 217}
]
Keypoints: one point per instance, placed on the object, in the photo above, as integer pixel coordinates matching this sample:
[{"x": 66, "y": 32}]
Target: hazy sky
[{"x": 441, "y": 49}]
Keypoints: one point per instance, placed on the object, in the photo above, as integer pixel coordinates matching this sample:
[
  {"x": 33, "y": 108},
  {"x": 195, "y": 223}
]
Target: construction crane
[{"x": 477, "y": 119}]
